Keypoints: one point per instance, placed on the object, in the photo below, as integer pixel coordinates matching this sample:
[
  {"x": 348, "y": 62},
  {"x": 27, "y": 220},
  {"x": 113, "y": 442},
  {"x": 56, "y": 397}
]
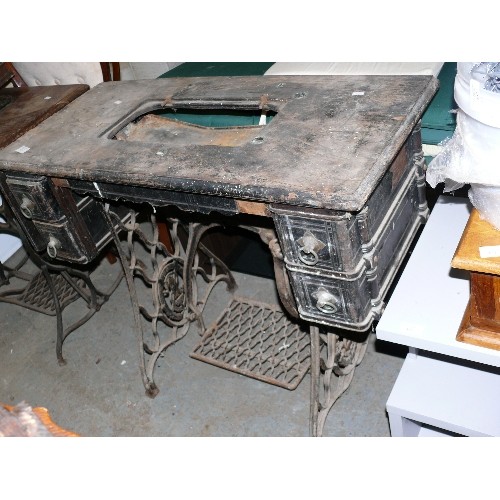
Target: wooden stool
[{"x": 479, "y": 252}]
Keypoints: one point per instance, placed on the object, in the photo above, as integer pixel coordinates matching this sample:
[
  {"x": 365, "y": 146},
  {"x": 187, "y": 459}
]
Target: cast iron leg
[
  {"x": 172, "y": 277},
  {"x": 331, "y": 374},
  {"x": 315, "y": 379}
]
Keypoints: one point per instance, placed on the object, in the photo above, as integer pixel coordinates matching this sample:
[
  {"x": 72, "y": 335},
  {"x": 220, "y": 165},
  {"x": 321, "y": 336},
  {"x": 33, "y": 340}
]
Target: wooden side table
[
  {"x": 479, "y": 253},
  {"x": 22, "y": 108}
]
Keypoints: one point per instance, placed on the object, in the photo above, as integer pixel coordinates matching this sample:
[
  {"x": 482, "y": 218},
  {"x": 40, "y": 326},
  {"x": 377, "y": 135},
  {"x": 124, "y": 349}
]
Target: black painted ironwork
[
  {"x": 38, "y": 283},
  {"x": 334, "y": 358},
  {"x": 169, "y": 287}
]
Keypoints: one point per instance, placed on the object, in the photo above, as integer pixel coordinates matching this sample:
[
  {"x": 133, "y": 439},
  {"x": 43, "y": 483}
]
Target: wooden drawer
[
  {"x": 326, "y": 241},
  {"x": 66, "y": 225},
  {"x": 331, "y": 301},
  {"x": 61, "y": 242},
  {"x": 341, "y": 265},
  {"x": 34, "y": 198}
]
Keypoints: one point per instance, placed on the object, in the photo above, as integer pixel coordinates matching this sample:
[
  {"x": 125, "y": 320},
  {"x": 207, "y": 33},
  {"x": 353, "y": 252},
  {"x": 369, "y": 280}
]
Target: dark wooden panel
[{"x": 26, "y": 107}]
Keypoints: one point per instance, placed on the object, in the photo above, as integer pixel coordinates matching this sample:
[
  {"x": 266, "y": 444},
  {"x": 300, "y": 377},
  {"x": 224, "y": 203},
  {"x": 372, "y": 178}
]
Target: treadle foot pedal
[
  {"x": 37, "y": 294},
  {"x": 257, "y": 340}
]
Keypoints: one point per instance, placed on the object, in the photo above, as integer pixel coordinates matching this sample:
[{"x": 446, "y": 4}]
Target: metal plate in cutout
[{"x": 257, "y": 340}]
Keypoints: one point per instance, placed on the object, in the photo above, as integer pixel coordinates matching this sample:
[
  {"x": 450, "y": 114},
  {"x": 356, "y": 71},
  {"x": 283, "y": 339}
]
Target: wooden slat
[{"x": 252, "y": 207}]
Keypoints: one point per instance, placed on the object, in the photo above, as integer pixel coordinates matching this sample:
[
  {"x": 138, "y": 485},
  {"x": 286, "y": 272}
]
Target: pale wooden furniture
[{"x": 479, "y": 253}]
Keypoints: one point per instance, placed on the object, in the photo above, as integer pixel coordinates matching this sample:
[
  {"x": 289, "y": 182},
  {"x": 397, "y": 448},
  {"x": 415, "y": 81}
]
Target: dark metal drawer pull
[
  {"x": 309, "y": 246},
  {"x": 27, "y": 206},
  {"x": 52, "y": 247},
  {"x": 326, "y": 302}
]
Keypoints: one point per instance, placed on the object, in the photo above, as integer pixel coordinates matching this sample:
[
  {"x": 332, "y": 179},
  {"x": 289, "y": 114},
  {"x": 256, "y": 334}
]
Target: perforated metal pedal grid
[
  {"x": 37, "y": 294},
  {"x": 257, "y": 340}
]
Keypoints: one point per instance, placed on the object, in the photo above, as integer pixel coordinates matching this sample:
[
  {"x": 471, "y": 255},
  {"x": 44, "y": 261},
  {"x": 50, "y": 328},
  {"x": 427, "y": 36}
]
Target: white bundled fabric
[
  {"x": 472, "y": 155},
  {"x": 477, "y": 92},
  {"x": 59, "y": 73}
]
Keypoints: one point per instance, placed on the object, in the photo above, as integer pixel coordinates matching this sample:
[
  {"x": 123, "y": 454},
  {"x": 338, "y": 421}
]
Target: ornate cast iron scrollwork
[
  {"x": 38, "y": 283},
  {"x": 176, "y": 277},
  {"x": 170, "y": 290},
  {"x": 333, "y": 355},
  {"x": 334, "y": 358}
]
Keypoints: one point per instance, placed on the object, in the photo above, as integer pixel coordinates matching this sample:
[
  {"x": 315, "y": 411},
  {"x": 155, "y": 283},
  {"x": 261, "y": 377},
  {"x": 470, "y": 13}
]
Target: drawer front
[
  {"x": 353, "y": 301},
  {"x": 66, "y": 225},
  {"x": 61, "y": 242},
  {"x": 389, "y": 247},
  {"x": 342, "y": 303},
  {"x": 334, "y": 242},
  {"x": 34, "y": 198},
  {"x": 317, "y": 243}
]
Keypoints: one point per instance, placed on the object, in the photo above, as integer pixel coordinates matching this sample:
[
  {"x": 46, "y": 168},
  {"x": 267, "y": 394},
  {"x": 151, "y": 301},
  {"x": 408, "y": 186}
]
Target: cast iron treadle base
[
  {"x": 37, "y": 294},
  {"x": 257, "y": 340}
]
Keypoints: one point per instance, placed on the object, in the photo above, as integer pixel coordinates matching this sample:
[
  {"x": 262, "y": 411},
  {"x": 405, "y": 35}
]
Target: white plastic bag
[{"x": 472, "y": 155}]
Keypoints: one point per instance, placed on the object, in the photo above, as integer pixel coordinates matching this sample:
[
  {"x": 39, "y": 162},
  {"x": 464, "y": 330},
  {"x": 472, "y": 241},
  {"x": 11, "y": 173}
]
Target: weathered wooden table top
[
  {"x": 328, "y": 145},
  {"x": 22, "y": 108}
]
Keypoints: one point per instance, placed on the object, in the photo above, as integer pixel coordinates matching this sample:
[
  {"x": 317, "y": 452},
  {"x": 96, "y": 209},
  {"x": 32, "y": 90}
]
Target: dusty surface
[
  {"x": 328, "y": 145},
  {"x": 100, "y": 393}
]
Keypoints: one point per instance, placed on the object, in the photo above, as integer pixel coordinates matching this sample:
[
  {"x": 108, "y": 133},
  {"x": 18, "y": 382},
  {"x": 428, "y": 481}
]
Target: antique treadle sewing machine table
[
  {"x": 331, "y": 177},
  {"x": 30, "y": 281}
]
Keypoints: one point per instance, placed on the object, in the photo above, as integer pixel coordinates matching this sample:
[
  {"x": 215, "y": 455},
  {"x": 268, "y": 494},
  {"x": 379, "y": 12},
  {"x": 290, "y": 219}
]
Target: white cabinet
[{"x": 445, "y": 387}]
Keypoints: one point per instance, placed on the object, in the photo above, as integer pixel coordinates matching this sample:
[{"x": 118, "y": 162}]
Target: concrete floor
[{"x": 100, "y": 393}]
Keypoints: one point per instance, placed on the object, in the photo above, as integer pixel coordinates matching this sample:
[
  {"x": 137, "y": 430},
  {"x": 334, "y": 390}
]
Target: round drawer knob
[
  {"x": 326, "y": 302},
  {"x": 52, "y": 246},
  {"x": 27, "y": 206}
]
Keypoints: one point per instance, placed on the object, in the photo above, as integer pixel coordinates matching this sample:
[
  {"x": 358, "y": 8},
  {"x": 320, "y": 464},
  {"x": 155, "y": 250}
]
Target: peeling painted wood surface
[{"x": 328, "y": 145}]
